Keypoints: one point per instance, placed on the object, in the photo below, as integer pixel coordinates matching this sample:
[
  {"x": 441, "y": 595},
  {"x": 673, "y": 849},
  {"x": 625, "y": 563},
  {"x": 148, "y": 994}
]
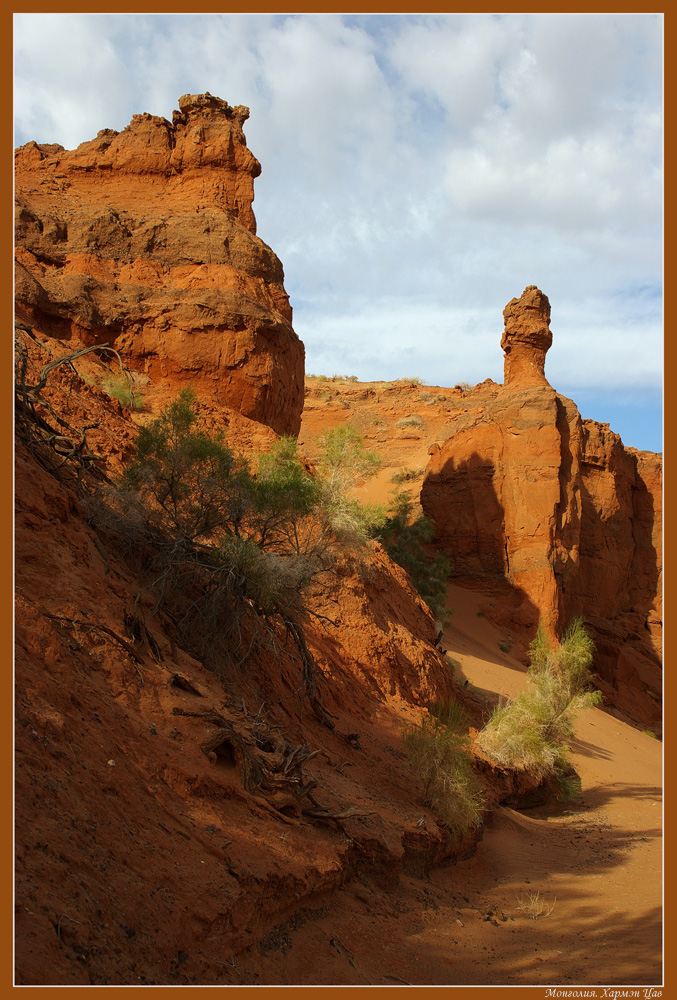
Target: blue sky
[{"x": 418, "y": 173}]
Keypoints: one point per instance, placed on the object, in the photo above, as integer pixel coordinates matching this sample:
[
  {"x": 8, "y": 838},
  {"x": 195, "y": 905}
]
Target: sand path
[
  {"x": 598, "y": 862},
  {"x": 595, "y": 865}
]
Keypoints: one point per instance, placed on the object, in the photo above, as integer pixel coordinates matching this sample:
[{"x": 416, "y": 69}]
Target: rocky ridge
[{"x": 146, "y": 240}]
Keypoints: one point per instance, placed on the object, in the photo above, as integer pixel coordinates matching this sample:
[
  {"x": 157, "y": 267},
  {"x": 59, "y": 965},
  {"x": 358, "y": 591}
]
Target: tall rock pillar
[{"x": 526, "y": 338}]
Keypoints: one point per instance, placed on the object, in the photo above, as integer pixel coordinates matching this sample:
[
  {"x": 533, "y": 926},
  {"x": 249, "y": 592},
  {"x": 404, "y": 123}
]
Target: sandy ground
[{"x": 592, "y": 869}]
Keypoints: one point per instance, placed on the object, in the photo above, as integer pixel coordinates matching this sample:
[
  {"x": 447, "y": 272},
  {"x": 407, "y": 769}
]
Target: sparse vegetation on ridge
[
  {"x": 415, "y": 420},
  {"x": 233, "y": 545}
]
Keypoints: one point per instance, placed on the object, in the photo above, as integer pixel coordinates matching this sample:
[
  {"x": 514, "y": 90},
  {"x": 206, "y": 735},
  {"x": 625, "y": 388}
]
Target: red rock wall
[
  {"x": 146, "y": 240},
  {"x": 524, "y": 489}
]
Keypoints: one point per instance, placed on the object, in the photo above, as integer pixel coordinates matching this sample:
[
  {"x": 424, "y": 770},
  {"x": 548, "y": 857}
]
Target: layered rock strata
[
  {"x": 525, "y": 489},
  {"x": 146, "y": 240}
]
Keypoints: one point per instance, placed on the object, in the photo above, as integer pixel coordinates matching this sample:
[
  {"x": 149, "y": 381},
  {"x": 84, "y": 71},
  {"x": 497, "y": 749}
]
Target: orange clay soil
[{"x": 141, "y": 862}]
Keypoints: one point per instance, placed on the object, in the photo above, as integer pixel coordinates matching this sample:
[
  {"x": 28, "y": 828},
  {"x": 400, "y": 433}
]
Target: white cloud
[
  {"x": 444, "y": 344},
  {"x": 418, "y": 171}
]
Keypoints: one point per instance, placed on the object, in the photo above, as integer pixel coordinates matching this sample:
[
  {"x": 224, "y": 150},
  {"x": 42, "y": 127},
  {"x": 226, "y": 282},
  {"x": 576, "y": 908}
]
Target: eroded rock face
[
  {"x": 526, "y": 338},
  {"x": 146, "y": 240},
  {"x": 525, "y": 489}
]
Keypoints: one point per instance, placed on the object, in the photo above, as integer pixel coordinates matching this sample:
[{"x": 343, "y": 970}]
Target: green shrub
[
  {"x": 343, "y": 463},
  {"x": 532, "y": 733},
  {"x": 121, "y": 387},
  {"x": 403, "y": 534},
  {"x": 439, "y": 755},
  {"x": 230, "y": 546},
  {"x": 449, "y": 713}
]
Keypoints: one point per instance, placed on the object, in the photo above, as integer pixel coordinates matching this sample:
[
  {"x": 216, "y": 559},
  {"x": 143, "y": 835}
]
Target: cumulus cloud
[{"x": 418, "y": 171}]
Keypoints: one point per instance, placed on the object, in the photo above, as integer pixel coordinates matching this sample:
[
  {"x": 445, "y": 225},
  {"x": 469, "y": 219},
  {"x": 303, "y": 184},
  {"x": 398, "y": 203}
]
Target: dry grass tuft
[{"x": 534, "y": 906}]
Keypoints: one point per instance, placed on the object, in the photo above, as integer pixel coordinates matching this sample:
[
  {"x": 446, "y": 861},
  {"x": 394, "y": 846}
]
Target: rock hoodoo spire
[{"x": 526, "y": 338}]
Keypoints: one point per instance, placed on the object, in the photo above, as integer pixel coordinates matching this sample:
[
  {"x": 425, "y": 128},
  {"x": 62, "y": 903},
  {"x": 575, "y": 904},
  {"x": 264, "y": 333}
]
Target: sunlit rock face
[
  {"x": 524, "y": 489},
  {"x": 526, "y": 338},
  {"x": 146, "y": 240}
]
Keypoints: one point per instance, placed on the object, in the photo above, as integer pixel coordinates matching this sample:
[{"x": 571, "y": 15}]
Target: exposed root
[
  {"x": 295, "y": 629},
  {"x": 268, "y": 764},
  {"x": 34, "y": 413},
  {"x": 270, "y": 768},
  {"x": 94, "y": 626},
  {"x": 137, "y": 629}
]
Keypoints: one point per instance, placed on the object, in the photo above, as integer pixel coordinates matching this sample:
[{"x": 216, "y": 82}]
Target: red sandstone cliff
[
  {"x": 146, "y": 240},
  {"x": 526, "y": 489},
  {"x": 141, "y": 858}
]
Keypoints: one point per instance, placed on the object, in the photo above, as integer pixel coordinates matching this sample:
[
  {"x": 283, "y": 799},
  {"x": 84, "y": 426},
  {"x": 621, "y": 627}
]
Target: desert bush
[
  {"x": 413, "y": 380},
  {"x": 234, "y": 543},
  {"x": 439, "y": 755},
  {"x": 343, "y": 463},
  {"x": 449, "y": 713},
  {"x": 231, "y": 545},
  {"x": 415, "y": 420},
  {"x": 533, "y": 732},
  {"x": 403, "y": 534},
  {"x": 121, "y": 387}
]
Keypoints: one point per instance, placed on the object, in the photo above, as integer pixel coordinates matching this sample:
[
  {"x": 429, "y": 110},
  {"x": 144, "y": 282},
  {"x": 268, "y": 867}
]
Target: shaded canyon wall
[{"x": 524, "y": 489}]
